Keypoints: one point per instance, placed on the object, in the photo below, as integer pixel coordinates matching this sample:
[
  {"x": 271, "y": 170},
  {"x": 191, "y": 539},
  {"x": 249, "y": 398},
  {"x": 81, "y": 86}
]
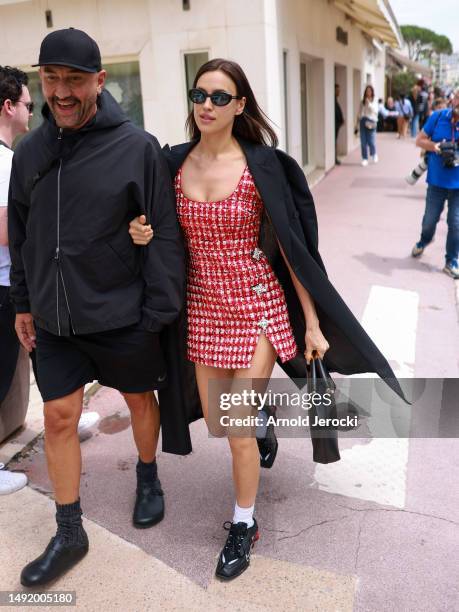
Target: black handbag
[{"x": 324, "y": 437}]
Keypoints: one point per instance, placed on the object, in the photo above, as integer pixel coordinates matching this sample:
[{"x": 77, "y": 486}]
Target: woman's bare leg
[
  {"x": 246, "y": 456},
  {"x": 244, "y": 449}
]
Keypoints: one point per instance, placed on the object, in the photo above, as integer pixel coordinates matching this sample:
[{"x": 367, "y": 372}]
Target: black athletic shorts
[{"x": 129, "y": 359}]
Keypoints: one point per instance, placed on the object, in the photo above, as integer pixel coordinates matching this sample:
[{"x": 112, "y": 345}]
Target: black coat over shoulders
[{"x": 290, "y": 219}]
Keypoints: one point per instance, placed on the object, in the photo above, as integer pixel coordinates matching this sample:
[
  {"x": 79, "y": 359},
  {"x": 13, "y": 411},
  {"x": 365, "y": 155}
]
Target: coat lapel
[
  {"x": 265, "y": 169},
  {"x": 267, "y": 174}
]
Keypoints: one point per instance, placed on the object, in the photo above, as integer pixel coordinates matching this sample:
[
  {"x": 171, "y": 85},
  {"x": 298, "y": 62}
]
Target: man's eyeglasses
[
  {"x": 29, "y": 105},
  {"x": 219, "y": 98}
]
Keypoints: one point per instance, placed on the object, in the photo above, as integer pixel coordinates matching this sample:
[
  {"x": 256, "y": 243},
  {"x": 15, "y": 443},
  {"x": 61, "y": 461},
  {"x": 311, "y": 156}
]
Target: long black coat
[{"x": 291, "y": 218}]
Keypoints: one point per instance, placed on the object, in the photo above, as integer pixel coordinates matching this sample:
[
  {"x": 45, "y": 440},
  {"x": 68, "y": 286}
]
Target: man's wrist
[{"x": 22, "y": 307}]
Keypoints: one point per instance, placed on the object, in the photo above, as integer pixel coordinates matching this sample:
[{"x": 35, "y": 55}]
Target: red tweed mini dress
[{"x": 233, "y": 294}]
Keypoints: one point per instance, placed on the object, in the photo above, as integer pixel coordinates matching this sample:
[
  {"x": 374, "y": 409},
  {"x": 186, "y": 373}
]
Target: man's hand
[
  {"x": 141, "y": 234},
  {"x": 25, "y": 330}
]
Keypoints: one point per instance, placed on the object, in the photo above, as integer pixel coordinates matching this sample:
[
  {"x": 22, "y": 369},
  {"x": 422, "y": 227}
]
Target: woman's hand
[
  {"x": 141, "y": 234},
  {"x": 315, "y": 341}
]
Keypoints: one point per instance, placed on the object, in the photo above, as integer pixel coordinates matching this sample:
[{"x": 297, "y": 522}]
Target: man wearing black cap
[{"x": 91, "y": 302}]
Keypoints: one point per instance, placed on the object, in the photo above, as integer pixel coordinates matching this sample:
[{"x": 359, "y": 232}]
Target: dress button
[
  {"x": 264, "y": 323},
  {"x": 260, "y": 289},
  {"x": 257, "y": 253}
]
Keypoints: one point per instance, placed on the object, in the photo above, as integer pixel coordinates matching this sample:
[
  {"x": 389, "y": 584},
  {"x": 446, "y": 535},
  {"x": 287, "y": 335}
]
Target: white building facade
[
  {"x": 447, "y": 70},
  {"x": 293, "y": 51}
]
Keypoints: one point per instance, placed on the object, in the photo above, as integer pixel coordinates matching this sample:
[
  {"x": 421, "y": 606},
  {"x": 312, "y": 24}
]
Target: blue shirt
[
  {"x": 404, "y": 107},
  {"x": 439, "y": 127}
]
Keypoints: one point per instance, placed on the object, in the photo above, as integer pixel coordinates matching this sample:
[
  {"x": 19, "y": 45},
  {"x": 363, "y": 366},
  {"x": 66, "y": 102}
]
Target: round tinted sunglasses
[{"x": 218, "y": 98}]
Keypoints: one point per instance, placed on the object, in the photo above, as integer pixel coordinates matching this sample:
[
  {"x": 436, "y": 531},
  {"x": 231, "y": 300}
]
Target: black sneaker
[
  {"x": 235, "y": 556},
  {"x": 268, "y": 445}
]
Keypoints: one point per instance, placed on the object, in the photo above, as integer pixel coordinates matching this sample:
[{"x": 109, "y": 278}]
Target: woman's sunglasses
[{"x": 218, "y": 98}]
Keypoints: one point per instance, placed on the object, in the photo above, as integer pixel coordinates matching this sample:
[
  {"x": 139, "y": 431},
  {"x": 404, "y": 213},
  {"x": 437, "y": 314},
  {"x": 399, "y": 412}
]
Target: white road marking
[
  {"x": 376, "y": 469},
  {"x": 390, "y": 319}
]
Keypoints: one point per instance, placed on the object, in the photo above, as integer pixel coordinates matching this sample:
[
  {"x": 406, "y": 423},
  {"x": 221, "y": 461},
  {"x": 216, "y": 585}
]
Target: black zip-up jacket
[{"x": 72, "y": 195}]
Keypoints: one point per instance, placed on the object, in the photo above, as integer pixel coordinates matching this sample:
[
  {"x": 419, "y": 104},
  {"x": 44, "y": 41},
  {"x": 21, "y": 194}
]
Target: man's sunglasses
[
  {"x": 29, "y": 105},
  {"x": 218, "y": 98}
]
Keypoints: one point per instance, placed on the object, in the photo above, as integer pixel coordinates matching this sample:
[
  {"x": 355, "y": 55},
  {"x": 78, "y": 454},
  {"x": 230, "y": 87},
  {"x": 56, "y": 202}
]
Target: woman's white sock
[{"x": 243, "y": 515}]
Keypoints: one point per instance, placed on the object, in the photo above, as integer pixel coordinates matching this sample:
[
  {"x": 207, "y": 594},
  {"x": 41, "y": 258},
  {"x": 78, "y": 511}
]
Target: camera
[{"x": 449, "y": 154}]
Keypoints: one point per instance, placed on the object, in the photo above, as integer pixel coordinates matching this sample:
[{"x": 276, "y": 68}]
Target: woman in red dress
[{"x": 238, "y": 322}]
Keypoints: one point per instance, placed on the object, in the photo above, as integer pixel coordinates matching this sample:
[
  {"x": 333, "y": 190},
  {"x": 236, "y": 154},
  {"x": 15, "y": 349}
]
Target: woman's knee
[{"x": 242, "y": 445}]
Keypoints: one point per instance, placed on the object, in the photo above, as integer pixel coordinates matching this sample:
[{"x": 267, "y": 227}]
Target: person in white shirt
[
  {"x": 16, "y": 108},
  {"x": 367, "y": 120}
]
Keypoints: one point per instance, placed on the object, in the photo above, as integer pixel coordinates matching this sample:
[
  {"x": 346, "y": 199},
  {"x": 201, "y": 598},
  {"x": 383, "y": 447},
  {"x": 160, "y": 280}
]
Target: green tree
[
  {"x": 423, "y": 43},
  {"x": 402, "y": 82}
]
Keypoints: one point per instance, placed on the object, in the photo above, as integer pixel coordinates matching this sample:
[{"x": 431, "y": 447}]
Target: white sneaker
[
  {"x": 87, "y": 420},
  {"x": 364, "y": 162},
  {"x": 11, "y": 481},
  {"x": 375, "y": 159}
]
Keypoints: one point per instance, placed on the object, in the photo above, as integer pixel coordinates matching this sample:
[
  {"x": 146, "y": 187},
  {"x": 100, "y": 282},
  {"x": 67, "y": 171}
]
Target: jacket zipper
[{"x": 57, "y": 253}]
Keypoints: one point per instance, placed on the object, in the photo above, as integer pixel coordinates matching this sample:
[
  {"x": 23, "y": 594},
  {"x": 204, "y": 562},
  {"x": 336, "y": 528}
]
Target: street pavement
[{"x": 376, "y": 531}]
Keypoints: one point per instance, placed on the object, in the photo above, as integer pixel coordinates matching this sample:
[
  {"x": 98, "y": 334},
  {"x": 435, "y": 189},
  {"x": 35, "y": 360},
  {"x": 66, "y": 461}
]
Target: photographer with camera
[{"x": 440, "y": 136}]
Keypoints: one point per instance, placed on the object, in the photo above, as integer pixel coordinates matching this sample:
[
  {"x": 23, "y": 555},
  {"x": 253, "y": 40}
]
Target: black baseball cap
[{"x": 70, "y": 47}]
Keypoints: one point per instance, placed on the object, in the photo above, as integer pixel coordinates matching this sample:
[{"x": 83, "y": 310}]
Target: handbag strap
[{"x": 317, "y": 366}]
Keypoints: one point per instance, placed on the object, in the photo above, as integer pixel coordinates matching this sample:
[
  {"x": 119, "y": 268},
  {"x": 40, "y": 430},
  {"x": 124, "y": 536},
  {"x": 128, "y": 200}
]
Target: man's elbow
[{"x": 421, "y": 140}]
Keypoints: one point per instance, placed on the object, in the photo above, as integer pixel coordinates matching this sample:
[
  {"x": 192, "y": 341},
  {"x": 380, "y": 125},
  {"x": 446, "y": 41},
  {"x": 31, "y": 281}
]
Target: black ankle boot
[
  {"x": 268, "y": 445},
  {"x": 65, "y": 549},
  {"x": 149, "y": 503}
]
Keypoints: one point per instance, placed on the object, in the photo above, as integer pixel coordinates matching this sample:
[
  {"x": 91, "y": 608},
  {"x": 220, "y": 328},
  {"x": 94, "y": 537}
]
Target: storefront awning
[
  {"x": 396, "y": 61},
  {"x": 374, "y": 17}
]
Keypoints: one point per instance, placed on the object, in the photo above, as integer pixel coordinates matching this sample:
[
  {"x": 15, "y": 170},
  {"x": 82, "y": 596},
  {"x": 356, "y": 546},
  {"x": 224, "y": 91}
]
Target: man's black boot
[
  {"x": 149, "y": 503},
  {"x": 65, "y": 549}
]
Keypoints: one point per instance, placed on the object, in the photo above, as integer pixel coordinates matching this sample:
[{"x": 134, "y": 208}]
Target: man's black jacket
[{"x": 72, "y": 195}]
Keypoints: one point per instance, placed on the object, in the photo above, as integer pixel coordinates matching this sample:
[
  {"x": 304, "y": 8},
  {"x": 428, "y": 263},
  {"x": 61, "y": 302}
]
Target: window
[
  {"x": 304, "y": 113},
  {"x": 123, "y": 82},
  {"x": 193, "y": 61}
]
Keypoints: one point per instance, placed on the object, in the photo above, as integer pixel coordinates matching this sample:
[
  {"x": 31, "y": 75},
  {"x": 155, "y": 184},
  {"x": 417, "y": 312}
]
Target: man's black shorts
[{"x": 128, "y": 359}]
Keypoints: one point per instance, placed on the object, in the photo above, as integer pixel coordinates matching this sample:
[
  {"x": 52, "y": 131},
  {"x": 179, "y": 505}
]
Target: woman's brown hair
[
  {"x": 370, "y": 87},
  {"x": 252, "y": 124}
]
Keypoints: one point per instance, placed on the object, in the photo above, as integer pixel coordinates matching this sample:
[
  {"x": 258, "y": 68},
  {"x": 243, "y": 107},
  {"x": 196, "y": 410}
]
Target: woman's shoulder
[
  {"x": 177, "y": 149},
  {"x": 176, "y": 155}
]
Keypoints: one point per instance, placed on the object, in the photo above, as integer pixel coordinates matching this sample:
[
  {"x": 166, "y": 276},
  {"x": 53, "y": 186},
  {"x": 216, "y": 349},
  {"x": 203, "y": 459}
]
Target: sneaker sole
[
  {"x": 451, "y": 274},
  {"x": 256, "y": 537}
]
